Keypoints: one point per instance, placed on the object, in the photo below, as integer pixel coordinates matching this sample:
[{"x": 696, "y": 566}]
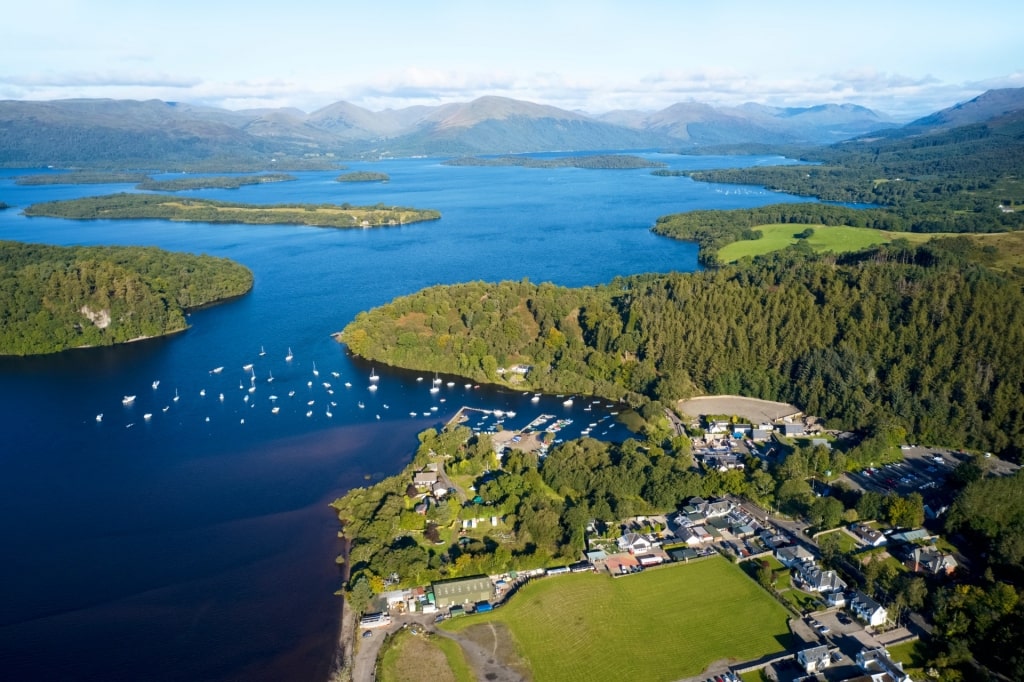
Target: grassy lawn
[
  {"x": 911, "y": 655},
  {"x": 802, "y": 600},
  {"x": 839, "y": 239},
  {"x": 846, "y": 542},
  {"x": 659, "y": 625}
]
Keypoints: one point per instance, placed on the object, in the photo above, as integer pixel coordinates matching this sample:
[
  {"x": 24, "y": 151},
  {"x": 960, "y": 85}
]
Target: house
[
  {"x": 835, "y": 600},
  {"x": 868, "y": 610},
  {"x": 424, "y": 478},
  {"x": 694, "y": 535},
  {"x": 868, "y": 535},
  {"x": 717, "y": 508},
  {"x": 473, "y": 589},
  {"x": 760, "y": 434},
  {"x": 932, "y": 562},
  {"x": 722, "y": 462},
  {"x": 793, "y": 556},
  {"x": 634, "y": 543},
  {"x": 817, "y": 580},
  {"x": 814, "y": 660},
  {"x": 879, "y": 665}
]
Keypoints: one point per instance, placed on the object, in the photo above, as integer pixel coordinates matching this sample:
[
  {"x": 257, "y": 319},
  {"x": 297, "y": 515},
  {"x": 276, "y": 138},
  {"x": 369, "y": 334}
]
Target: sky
[{"x": 904, "y": 58}]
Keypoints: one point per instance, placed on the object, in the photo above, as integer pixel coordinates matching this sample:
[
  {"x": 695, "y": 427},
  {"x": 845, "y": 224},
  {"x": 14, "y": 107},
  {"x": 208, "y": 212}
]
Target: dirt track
[{"x": 754, "y": 409}]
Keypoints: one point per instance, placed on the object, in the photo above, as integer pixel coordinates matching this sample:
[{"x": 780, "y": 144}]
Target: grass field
[
  {"x": 661, "y": 624},
  {"x": 839, "y": 239}
]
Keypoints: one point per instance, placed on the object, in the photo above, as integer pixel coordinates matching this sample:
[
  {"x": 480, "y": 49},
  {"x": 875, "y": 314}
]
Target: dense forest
[
  {"x": 54, "y": 298},
  {"x": 134, "y": 206},
  {"x": 80, "y": 178},
  {"x": 920, "y": 336},
  {"x": 593, "y": 161}
]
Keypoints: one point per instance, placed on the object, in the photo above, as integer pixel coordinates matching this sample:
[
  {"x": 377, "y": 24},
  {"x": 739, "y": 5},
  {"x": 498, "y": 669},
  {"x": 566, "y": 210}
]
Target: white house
[
  {"x": 814, "y": 660},
  {"x": 634, "y": 543},
  {"x": 868, "y": 610},
  {"x": 879, "y": 665}
]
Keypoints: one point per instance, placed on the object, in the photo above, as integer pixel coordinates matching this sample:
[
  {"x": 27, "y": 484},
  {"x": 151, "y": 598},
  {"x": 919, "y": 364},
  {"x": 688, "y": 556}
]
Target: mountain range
[{"x": 153, "y": 133}]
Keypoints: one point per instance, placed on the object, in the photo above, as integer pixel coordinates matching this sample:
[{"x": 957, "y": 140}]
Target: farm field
[
  {"x": 662, "y": 624},
  {"x": 839, "y": 239}
]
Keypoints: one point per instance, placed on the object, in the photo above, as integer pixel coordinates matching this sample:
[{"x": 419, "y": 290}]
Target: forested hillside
[
  {"x": 54, "y": 298},
  {"x": 917, "y": 335}
]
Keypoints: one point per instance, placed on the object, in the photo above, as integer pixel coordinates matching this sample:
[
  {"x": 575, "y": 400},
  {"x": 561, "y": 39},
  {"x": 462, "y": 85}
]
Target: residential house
[
  {"x": 817, "y": 580},
  {"x": 932, "y": 562},
  {"x": 815, "y": 659},
  {"x": 439, "y": 490},
  {"x": 793, "y": 556},
  {"x": 760, "y": 434},
  {"x": 694, "y": 535},
  {"x": 835, "y": 600},
  {"x": 879, "y": 665},
  {"x": 471, "y": 589},
  {"x": 634, "y": 543},
  {"x": 868, "y": 610},
  {"x": 722, "y": 462},
  {"x": 424, "y": 478},
  {"x": 868, "y": 535}
]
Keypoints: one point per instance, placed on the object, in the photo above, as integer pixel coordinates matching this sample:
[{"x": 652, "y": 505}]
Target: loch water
[{"x": 197, "y": 543}]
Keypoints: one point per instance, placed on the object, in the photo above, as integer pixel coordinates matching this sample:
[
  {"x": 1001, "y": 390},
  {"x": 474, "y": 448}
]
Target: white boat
[
  {"x": 386, "y": 406},
  {"x": 412, "y": 414},
  {"x": 373, "y": 387},
  {"x": 417, "y": 379},
  {"x": 245, "y": 399},
  {"x": 147, "y": 416},
  {"x": 291, "y": 394},
  {"x": 166, "y": 407},
  {"x": 426, "y": 414},
  {"x": 535, "y": 398},
  {"x": 272, "y": 397},
  {"x": 288, "y": 358},
  {"x": 128, "y": 400},
  {"x": 434, "y": 389},
  {"x": 207, "y": 419},
  {"x": 316, "y": 372},
  {"x": 252, "y": 389},
  {"x": 262, "y": 352},
  {"x": 450, "y": 384},
  {"x": 275, "y": 409},
  {"x": 468, "y": 386},
  {"x": 378, "y": 416},
  {"x": 361, "y": 406},
  {"x": 242, "y": 420},
  {"x": 510, "y": 413},
  {"x": 373, "y": 375},
  {"x": 348, "y": 384},
  {"x": 247, "y": 368},
  {"x": 156, "y": 384},
  {"x": 437, "y": 379},
  {"x": 567, "y": 402},
  {"x": 309, "y": 384},
  {"x": 335, "y": 374},
  {"x": 99, "y": 417},
  {"x": 327, "y": 384},
  {"x": 311, "y": 402},
  {"x": 309, "y": 413},
  {"x": 270, "y": 378},
  {"x": 202, "y": 392},
  {"x": 434, "y": 408},
  {"x": 216, "y": 370},
  {"x": 499, "y": 413},
  {"x": 221, "y": 396},
  {"x": 175, "y": 395},
  {"x": 329, "y": 413}
]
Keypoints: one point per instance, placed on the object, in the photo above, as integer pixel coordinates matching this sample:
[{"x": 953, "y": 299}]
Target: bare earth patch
[
  {"x": 415, "y": 658},
  {"x": 754, "y": 409},
  {"x": 491, "y": 653}
]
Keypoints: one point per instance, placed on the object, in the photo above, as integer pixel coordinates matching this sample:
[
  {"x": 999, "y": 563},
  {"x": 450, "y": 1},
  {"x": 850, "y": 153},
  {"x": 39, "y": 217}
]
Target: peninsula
[
  {"x": 211, "y": 182},
  {"x": 125, "y": 206},
  {"x": 55, "y": 298}
]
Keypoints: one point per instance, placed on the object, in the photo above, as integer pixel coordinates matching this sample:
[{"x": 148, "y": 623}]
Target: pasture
[
  {"x": 662, "y": 624},
  {"x": 838, "y": 239}
]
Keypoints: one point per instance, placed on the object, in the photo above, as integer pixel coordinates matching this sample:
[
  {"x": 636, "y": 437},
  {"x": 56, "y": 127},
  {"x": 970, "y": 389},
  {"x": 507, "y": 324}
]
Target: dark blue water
[{"x": 197, "y": 543}]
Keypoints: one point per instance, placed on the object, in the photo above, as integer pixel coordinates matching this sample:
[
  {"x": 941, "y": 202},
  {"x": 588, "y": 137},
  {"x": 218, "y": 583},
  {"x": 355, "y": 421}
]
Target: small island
[
  {"x": 363, "y": 176},
  {"x": 54, "y": 298},
  {"x": 593, "y": 162},
  {"x": 153, "y": 206},
  {"x": 212, "y": 182},
  {"x": 81, "y": 178}
]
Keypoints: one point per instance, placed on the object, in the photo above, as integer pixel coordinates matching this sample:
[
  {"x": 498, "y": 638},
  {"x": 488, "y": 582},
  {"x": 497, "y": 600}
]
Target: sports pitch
[{"x": 662, "y": 624}]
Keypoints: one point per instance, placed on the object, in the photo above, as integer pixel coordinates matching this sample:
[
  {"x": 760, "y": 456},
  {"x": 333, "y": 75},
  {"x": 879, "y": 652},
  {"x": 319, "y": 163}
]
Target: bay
[{"x": 197, "y": 543}]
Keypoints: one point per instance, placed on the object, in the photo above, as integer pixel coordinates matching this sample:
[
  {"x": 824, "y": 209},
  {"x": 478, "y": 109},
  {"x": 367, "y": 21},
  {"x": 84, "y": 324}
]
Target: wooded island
[{"x": 153, "y": 206}]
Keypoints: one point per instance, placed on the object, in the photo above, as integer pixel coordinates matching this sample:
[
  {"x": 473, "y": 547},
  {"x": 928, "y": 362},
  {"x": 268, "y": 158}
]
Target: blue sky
[{"x": 904, "y": 58}]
